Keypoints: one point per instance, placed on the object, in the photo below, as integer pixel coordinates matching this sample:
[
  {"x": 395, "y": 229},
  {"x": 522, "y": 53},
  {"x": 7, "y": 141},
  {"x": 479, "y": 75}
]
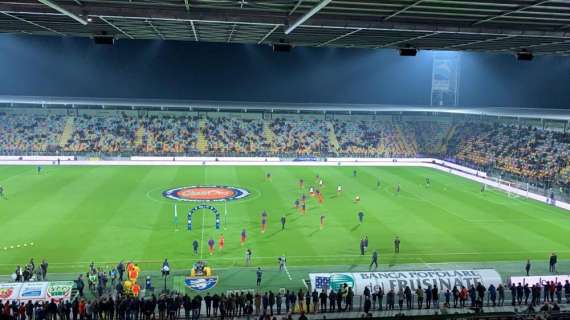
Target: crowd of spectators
[
  {"x": 234, "y": 136},
  {"x": 163, "y": 135},
  {"x": 428, "y": 135},
  {"x": 522, "y": 151},
  {"x": 29, "y": 133},
  {"x": 108, "y": 134},
  {"x": 301, "y": 137},
  {"x": 270, "y": 305},
  {"x": 373, "y": 138}
]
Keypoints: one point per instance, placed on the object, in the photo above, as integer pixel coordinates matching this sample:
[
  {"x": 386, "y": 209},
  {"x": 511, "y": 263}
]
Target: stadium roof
[
  {"x": 542, "y": 27},
  {"x": 208, "y": 106}
]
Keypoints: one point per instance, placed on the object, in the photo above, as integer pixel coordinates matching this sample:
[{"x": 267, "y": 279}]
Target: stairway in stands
[
  {"x": 269, "y": 135},
  {"x": 67, "y": 131},
  {"x": 201, "y": 143},
  {"x": 445, "y": 141},
  {"x": 333, "y": 140},
  {"x": 139, "y": 135}
]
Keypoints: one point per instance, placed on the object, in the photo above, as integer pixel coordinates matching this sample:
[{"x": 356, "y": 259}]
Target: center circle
[{"x": 206, "y": 193}]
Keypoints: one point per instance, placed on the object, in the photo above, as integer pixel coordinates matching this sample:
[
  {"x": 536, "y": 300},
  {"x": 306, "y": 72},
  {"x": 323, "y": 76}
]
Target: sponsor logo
[
  {"x": 59, "y": 290},
  {"x": 6, "y": 293},
  {"x": 32, "y": 292},
  {"x": 201, "y": 283},
  {"x": 337, "y": 280},
  {"x": 206, "y": 193}
]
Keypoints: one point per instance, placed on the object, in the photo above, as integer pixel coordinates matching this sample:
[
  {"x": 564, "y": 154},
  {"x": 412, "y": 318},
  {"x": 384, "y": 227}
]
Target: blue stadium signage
[{"x": 201, "y": 283}]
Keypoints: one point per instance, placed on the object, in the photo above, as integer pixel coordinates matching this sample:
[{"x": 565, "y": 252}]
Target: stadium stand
[
  {"x": 30, "y": 133},
  {"x": 522, "y": 151}
]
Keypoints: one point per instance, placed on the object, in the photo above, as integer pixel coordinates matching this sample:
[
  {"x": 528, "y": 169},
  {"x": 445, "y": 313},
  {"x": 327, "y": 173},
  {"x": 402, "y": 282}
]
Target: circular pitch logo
[{"x": 206, "y": 193}]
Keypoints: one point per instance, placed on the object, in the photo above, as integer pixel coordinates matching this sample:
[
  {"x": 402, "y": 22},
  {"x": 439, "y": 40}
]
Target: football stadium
[{"x": 288, "y": 159}]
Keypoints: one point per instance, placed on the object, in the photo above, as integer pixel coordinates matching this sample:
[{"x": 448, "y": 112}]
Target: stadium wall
[
  {"x": 451, "y": 168},
  {"x": 144, "y": 69}
]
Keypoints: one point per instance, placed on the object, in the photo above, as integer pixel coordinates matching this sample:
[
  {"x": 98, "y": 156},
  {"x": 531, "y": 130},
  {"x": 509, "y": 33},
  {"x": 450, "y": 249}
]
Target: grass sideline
[{"x": 75, "y": 215}]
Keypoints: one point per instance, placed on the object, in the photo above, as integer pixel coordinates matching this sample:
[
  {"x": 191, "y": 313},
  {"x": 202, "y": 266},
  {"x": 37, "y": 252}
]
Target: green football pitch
[{"x": 74, "y": 215}]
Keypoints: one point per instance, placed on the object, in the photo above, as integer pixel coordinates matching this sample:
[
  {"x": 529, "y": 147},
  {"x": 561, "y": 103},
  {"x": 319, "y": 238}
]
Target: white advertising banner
[
  {"x": 532, "y": 280},
  {"x": 444, "y": 279}
]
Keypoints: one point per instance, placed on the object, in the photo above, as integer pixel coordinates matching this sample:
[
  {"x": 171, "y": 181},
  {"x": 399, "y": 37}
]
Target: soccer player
[
  {"x": 303, "y": 208},
  {"x": 211, "y": 244},
  {"x": 258, "y": 274},
  {"x": 301, "y": 183},
  {"x": 248, "y": 255},
  {"x": 39, "y": 169},
  {"x": 317, "y": 178},
  {"x": 482, "y": 187},
  {"x": 263, "y": 221},
  {"x": 378, "y": 184},
  {"x": 398, "y": 188},
  {"x": 296, "y": 203},
  {"x": 338, "y": 189},
  {"x": 195, "y": 246},
  {"x": 322, "y": 222},
  {"x": 427, "y": 182},
  {"x": 221, "y": 242},
  {"x": 397, "y": 245},
  {"x": 360, "y": 217},
  {"x": 366, "y": 243},
  {"x": 312, "y": 191},
  {"x": 303, "y": 198},
  {"x": 243, "y": 237},
  {"x": 268, "y": 176},
  {"x": 320, "y": 197},
  {"x": 2, "y": 195},
  {"x": 283, "y": 220},
  {"x": 282, "y": 261},
  {"x": 354, "y": 173},
  {"x": 320, "y": 183},
  {"x": 374, "y": 260}
]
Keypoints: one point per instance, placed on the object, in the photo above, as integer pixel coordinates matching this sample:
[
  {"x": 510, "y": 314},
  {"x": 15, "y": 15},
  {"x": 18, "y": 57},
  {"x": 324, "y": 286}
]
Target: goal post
[{"x": 513, "y": 189}]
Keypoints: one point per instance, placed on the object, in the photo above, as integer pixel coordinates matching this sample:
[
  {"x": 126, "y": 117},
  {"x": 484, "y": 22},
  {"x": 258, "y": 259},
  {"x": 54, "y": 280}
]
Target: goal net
[{"x": 513, "y": 189}]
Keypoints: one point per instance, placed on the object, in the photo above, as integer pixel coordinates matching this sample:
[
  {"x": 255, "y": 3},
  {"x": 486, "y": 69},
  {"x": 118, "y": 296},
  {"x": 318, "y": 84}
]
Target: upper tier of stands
[{"x": 519, "y": 149}]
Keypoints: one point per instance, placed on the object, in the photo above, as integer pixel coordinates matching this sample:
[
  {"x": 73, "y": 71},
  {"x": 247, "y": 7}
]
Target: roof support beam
[
  {"x": 307, "y": 15},
  {"x": 478, "y": 42},
  {"x": 232, "y": 33},
  {"x": 268, "y": 34},
  {"x": 404, "y": 9},
  {"x": 339, "y": 37},
  {"x": 504, "y": 14},
  {"x": 155, "y": 29},
  {"x": 116, "y": 28},
  {"x": 295, "y": 7},
  {"x": 64, "y": 11},
  {"x": 540, "y": 45},
  {"x": 32, "y": 23},
  {"x": 408, "y": 40},
  {"x": 194, "y": 30}
]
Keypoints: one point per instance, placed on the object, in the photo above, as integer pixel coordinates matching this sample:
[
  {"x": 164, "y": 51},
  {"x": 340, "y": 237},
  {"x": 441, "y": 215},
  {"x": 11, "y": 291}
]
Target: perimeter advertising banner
[
  {"x": 59, "y": 291},
  {"x": 532, "y": 280},
  {"x": 33, "y": 291},
  {"x": 444, "y": 279},
  {"x": 9, "y": 291},
  {"x": 36, "y": 291}
]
